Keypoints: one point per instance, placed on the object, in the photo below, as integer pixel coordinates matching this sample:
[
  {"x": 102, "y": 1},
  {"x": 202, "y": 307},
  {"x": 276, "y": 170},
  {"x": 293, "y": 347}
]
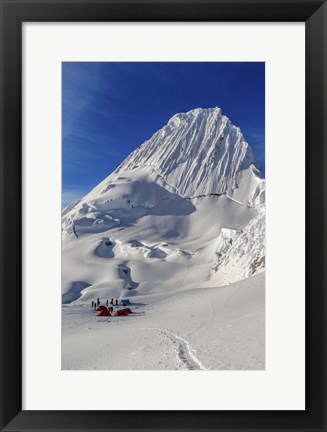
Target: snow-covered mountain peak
[
  {"x": 198, "y": 153},
  {"x": 184, "y": 210},
  {"x": 196, "y": 112}
]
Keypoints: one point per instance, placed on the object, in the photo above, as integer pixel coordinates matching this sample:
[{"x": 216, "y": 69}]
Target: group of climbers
[
  {"x": 95, "y": 304},
  {"x": 109, "y": 310}
]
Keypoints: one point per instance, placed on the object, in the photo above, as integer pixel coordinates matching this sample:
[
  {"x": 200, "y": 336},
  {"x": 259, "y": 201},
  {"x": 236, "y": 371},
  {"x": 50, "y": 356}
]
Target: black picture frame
[{"x": 13, "y": 14}]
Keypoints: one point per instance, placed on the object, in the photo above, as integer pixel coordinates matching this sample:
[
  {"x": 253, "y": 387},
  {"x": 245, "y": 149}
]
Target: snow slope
[
  {"x": 184, "y": 212},
  {"x": 198, "y": 329},
  {"x": 196, "y": 153}
]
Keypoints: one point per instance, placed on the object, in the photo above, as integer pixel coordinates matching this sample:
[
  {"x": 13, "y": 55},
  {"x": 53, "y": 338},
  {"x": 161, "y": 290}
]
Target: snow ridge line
[
  {"x": 155, "y": 170},
  {"x": 238, "y": 202},
  {"x": 219, "y": 195},
  {"x": 162, "y": 177},
  {"x": 210, "y": 194}
]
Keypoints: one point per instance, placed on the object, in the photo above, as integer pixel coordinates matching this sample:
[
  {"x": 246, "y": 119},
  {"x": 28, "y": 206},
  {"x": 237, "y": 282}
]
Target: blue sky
[{"x": 109, "y": 109}]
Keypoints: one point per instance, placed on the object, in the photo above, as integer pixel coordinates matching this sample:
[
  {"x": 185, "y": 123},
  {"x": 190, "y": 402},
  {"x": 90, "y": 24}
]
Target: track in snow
[{"x": 183, "y": 349}]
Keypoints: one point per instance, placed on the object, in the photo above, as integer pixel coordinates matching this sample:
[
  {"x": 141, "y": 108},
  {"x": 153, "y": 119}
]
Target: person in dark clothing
[
  {"x": 92, "y": 304},
  {"x": 98, "y": 301},
  {"x": 112, "y": 301},
  {"x": 95, "y": 306},
  {"x": 116, "y": 302},
  {"x": 107, "y": 302}
]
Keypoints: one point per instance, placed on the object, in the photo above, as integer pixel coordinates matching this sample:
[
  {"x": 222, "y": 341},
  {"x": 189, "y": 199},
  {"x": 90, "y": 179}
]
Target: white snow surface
[
  {"x": 242, "y": 253},
  {"x": 179, "y": 229},
  {"x": 199, "y": 329},
  {"x": 197, "y": 153}
]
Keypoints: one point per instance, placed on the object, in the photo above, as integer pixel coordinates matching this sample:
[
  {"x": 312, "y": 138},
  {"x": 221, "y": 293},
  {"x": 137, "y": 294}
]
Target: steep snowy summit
[
  {"x": 189, "y": 194},
  {"x": 183, "y": 215},
  {"x": 197, "y": 153}
]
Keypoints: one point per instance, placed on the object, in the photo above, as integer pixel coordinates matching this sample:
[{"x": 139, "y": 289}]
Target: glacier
[{"x": 179, "y": 220}]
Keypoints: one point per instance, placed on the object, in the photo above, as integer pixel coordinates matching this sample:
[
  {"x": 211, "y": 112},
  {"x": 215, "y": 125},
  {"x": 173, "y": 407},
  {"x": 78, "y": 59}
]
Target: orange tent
[
  {"x": 104, "y": 312},
  {"x": 123, "y": 312}
]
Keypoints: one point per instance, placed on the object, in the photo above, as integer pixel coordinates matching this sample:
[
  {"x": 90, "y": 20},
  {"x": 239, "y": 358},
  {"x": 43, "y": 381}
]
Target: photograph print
[{"x": 163, "y": 216}]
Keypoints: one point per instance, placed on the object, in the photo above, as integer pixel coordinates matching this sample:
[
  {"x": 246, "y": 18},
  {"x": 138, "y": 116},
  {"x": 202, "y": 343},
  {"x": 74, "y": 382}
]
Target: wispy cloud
[{"x": 70, "y": 196}]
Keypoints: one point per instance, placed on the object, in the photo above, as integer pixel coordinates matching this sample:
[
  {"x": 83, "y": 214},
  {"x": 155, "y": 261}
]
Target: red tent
[
  {"x": 101, "y": 308},
  {"x": 104, "y": 312},
  {"x": 123, "y": 312}
]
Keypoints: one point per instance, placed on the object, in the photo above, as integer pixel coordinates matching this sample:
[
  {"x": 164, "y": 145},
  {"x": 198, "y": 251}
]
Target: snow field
[
  {"x": 198, "y": 329},
  {"x": 182, "y": 214}
]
